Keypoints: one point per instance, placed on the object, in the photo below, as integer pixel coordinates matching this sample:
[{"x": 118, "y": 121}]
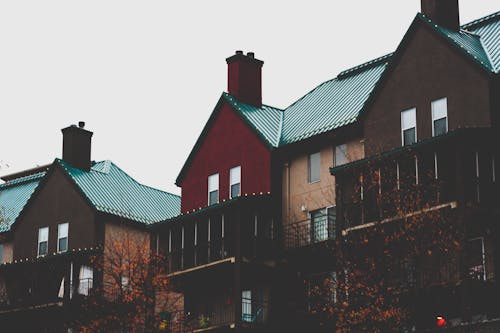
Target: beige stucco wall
[
  {"x": 301, "y": 197},
  {"x": 8, "y": 252}
]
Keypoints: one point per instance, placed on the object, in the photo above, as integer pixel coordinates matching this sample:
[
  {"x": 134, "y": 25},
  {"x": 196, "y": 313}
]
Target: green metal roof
[
  {"x": 479, "y": 39},
  {"x": 339, "y": 102},
  {"x": 267, "y": 120},
  {"x": 110, "y": 190},
  {"x": 488, "y": 29},
  {"x": 333, "y": 104},
  {"x": 13, "y": 197}
]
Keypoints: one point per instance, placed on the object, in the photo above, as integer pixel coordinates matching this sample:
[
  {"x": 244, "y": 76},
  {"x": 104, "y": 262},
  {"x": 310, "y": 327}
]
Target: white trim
[
  {"x": 255, "y": 227},
  {"x": 59, "y": 236},
  {"x": 209, "y": 229},
  {"x": 170, "y": 241},
  {"x": 433, "y": 116},
  {"x": 41, "y": 241},
  {"x": 195, "y": 233},
  {"x": 436, "y": 172},
  {"x": 222, "y": 226},
  {"x": 231, "y": 180},
  {"x": 407, "y": 128},
  {"x": 416, "y": 170}
]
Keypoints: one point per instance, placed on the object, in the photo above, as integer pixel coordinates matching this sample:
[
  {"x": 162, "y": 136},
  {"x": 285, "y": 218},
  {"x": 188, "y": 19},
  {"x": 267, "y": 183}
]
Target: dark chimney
[
  {"x": 443, "y": 12},
  {"x": 77, "y": 145},
  {"x": 244, "y": 78}
]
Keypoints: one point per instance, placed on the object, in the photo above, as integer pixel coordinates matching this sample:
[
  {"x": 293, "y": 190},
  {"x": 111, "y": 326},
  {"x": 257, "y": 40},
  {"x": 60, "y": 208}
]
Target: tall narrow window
[
  {"x": 43, "y": 241},
  {"x": 439, "y": 117},
  {"x": 86, "y": 280},
  {"x": 62, "y": 237},
  {"x": 340, "y": 155},
  {"x": 213, "y": 189},
  {"x": 235, "y": 182},
  {"x": 409, "y": 127},
  {"x": 246, "y": 305},
  {"x": 314, "y": 167}
]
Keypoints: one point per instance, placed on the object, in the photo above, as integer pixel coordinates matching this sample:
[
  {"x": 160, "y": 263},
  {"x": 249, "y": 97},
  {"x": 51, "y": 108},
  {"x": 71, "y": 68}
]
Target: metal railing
[
  {"x": 253, "y": 313},
  {"x": 308, "y": 232}
]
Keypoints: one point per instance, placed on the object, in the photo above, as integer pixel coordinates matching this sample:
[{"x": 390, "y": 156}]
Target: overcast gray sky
[{"x": 145, "y": 75}]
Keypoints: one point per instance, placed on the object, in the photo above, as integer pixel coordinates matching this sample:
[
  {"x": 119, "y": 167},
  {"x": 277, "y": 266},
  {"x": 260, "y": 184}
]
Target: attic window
[
  {"x": 439, "y": 117},
  {"x": 409, "y": 127},
  {"x": 213, "y": 189},
  {"x": 43, "y": 241},
  {"x": 235, "y": 181}
]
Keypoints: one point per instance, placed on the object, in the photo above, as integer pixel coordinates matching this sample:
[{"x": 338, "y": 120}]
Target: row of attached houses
[{"x": 278, "y": 204}]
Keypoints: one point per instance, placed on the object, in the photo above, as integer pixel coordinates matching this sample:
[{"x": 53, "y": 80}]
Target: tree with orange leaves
[
  {"x": 395, "y": 235},
  {"x": 134, "y": 294}
]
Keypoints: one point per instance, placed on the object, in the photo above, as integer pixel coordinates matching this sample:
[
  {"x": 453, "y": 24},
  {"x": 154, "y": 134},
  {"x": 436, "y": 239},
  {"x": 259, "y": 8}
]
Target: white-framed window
[
  {"x": 62, "y": 237},
  {"x": 86, "y": 280},
  {"x": 213, "y": 189},
  {"x": 314, "y": 166},
  {"x": 439, "y": 116},
  {"x": 323, "y": 224},
  {"x": 246, "y": 306},
  {"x": 340, "y": 155},
  {"x": 235, "y": 182},
  {"x": 409, "y": 127},
  {"x": 43, "y": 241}
]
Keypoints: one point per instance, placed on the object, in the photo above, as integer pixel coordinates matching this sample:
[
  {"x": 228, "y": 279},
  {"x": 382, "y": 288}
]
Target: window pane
[
  {"x": 213, "y": 182},
  {"x": 235, "y": 190},
  {"x": 63, "y": 230},
  {"x": 235, "y": 175},
  {"x": 213, "y": 197},
  {"x": 42, "y": 248},
  {"x": 43, "y": 234},
  {"x": 62, "y": 244},
  {"x": 408, "y": 119},
  {"x": 409, "y": 136},
  {"x": 246, "y": 305},
  {"x": 439, "y": 108},
  {"x": 314, "y": 167},
  {"x": 319, "y": 225},
  {"x": 440, "y": 127},
  {"x": 341, "y": 155}
]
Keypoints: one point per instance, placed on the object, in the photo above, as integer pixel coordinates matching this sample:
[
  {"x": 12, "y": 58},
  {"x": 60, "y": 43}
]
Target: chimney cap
[
  {"x": 239, "y": 55},
  {"x": 81, "y": 124}
]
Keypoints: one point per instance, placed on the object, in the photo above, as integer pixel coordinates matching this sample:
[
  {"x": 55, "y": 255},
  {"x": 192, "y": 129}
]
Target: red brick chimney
[
  {"x": 443, "y": 12},
  {"x": 244, "y": 78}
]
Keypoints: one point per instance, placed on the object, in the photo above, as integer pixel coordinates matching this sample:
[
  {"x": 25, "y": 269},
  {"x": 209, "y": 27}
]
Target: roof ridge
[
  {"x": 364, "y": 66},
  {"x": 481, "y": 21},
  {"x": 140, "y": 184},
  {"x": 23, "y": 180}
]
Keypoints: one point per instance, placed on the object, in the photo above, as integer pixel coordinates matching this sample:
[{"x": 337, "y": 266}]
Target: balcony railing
[
  {"x": 253, "y": 313},
  {"x": 308, "y": 232},
  {"x": 216, "y": 250},
  {"x": 43, "y": 295}
]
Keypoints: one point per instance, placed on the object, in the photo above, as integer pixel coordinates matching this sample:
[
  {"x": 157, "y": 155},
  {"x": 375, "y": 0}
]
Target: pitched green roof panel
[
  {"x": 13, "y": 197},
  {"x": 110, "y": 190}
]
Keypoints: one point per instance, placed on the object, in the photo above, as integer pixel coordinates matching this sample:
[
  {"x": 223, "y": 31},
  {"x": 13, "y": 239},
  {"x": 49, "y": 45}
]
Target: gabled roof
[
  {"x": 342, "y": 100},
  {"x": 14, "y": 195},
  {"x": 110, "y": 190},
  {"x": 480, "y": 39},
  {"x": 106, "y": 187}
]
